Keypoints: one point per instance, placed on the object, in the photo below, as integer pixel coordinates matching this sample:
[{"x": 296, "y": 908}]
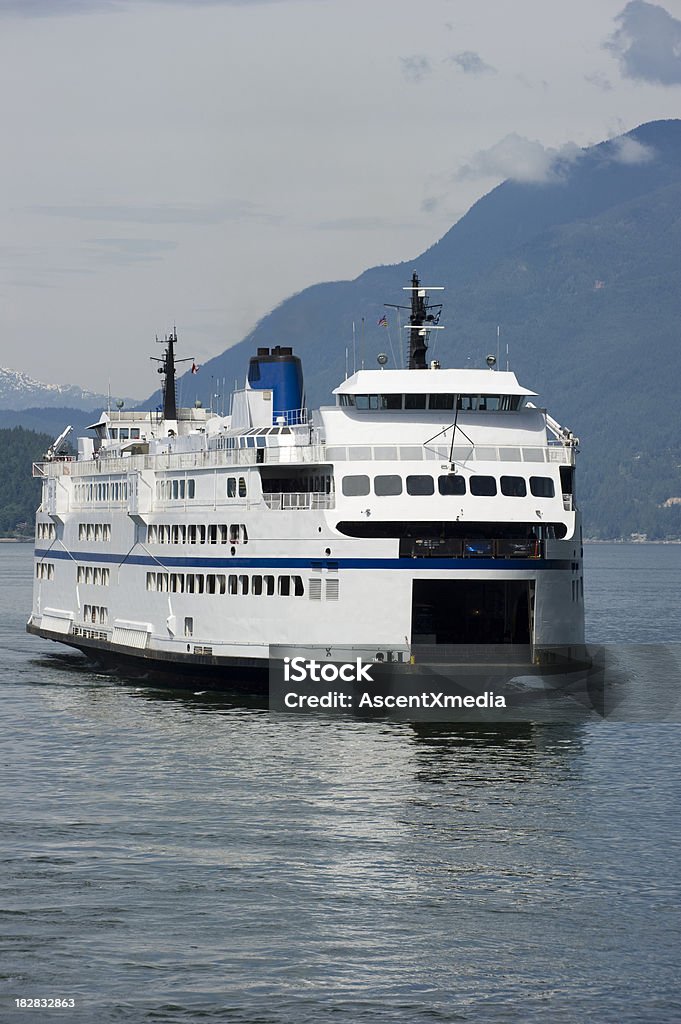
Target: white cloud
[
  {"x": 522, "y": 160},
  {"x": 647, "y": 43},
  {"x": 630, "y": 151}
]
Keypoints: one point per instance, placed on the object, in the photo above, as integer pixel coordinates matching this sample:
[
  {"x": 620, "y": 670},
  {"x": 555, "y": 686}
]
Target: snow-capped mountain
[{"x": 19, "y": 391}]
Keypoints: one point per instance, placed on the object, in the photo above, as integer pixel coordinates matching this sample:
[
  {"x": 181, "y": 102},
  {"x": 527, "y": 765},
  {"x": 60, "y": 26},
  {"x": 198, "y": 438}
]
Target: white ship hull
[{"x": 387, "y": 526}]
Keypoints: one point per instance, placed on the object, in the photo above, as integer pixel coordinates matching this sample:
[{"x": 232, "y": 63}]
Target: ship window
[
  {"x": 388, "y": 485},
  {"x": 244, "y": 533},
  {"x": 420, "y": 484},
  {"x": 269, "y": 585},
  {"x": 231, "y": 487},
  {"x": 234, "y": 533},
  {"x": 355, "y": 486},
  {"x": 391, "y": 401},
  {"x": 212, "y": 534},
  {"x": 256, "y": 585},
  {"x": 364, "y": 402},
  {"x": 441, "y": 402},
  {"x": 123, "y": 434},
  {"x": 231, "y": 584},
  {"x": 415, "y": 401},
  {"x": 188, "y": 626},
  {"x": 191, "y": 488},
  {"x": 542, "y": 486},
  {"x": 243, "y": 584},
  {"x": 298, "y": 588},
  {"x": 114, "y": 433},
  {"x": 513, "y": 486},
  {"x": 242, "y": 487},
  {"x": 484, "y": 486},
  {"x": 284, "y": 586}
]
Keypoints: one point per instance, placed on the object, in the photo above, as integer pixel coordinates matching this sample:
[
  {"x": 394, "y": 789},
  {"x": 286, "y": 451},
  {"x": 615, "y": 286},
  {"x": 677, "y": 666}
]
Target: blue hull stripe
[{"x": 184, "y": 562}]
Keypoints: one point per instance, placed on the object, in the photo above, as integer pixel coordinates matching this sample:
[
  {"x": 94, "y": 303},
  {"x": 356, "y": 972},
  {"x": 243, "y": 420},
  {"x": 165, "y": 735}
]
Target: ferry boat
[{"x": 427, "y": 510}]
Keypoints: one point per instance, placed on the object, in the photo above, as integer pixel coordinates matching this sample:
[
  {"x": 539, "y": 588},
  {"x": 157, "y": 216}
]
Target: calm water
[{"x": 177, "y": 857}]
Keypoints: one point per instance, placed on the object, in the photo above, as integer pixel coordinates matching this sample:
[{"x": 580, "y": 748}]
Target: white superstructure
[{"x": 425, "y": 507}]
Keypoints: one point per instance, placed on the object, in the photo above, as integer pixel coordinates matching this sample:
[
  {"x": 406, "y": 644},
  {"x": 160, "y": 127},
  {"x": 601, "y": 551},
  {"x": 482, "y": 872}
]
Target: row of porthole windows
[
  {"x": 46, "y": 531},
  {"x": 44, "y": 571},
  {"x": 95, "y": 613},
  {"x": 96, "y": 575},
  {"x": 94, "y": 531},
  {"x": 101, "y": 490},
  {"x": 220, "y": 583},
  {"x": 422, "y": 484},
  {"x": 197, "y": 533},
  {"x": 175, "y": 490}
]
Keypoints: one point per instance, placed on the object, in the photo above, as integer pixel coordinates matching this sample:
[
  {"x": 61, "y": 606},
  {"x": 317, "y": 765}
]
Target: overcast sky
[{"x": 197, "y": 161}]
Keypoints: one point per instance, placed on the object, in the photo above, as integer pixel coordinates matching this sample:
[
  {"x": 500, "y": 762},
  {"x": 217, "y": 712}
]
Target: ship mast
[
  {"x": 167, "y": 368},
  {"x": 423, "y": 318}
]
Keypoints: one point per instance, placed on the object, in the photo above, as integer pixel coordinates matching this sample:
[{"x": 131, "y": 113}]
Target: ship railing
[
  {"x": 91, "y": 633},
  {"x": 291, "y": 417},
  {"x": 455, "y": 547},
  {"x": 173, "y": 461},
  {"x": 444, "y": 453},
  {"x": 314, "y": 453},
  {"x": 282, "y": 500}
]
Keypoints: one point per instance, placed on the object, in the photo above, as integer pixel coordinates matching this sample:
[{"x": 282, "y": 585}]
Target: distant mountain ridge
[
  {"x": 19, "y": 391},
  {"x": 318, "y": 321}
]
